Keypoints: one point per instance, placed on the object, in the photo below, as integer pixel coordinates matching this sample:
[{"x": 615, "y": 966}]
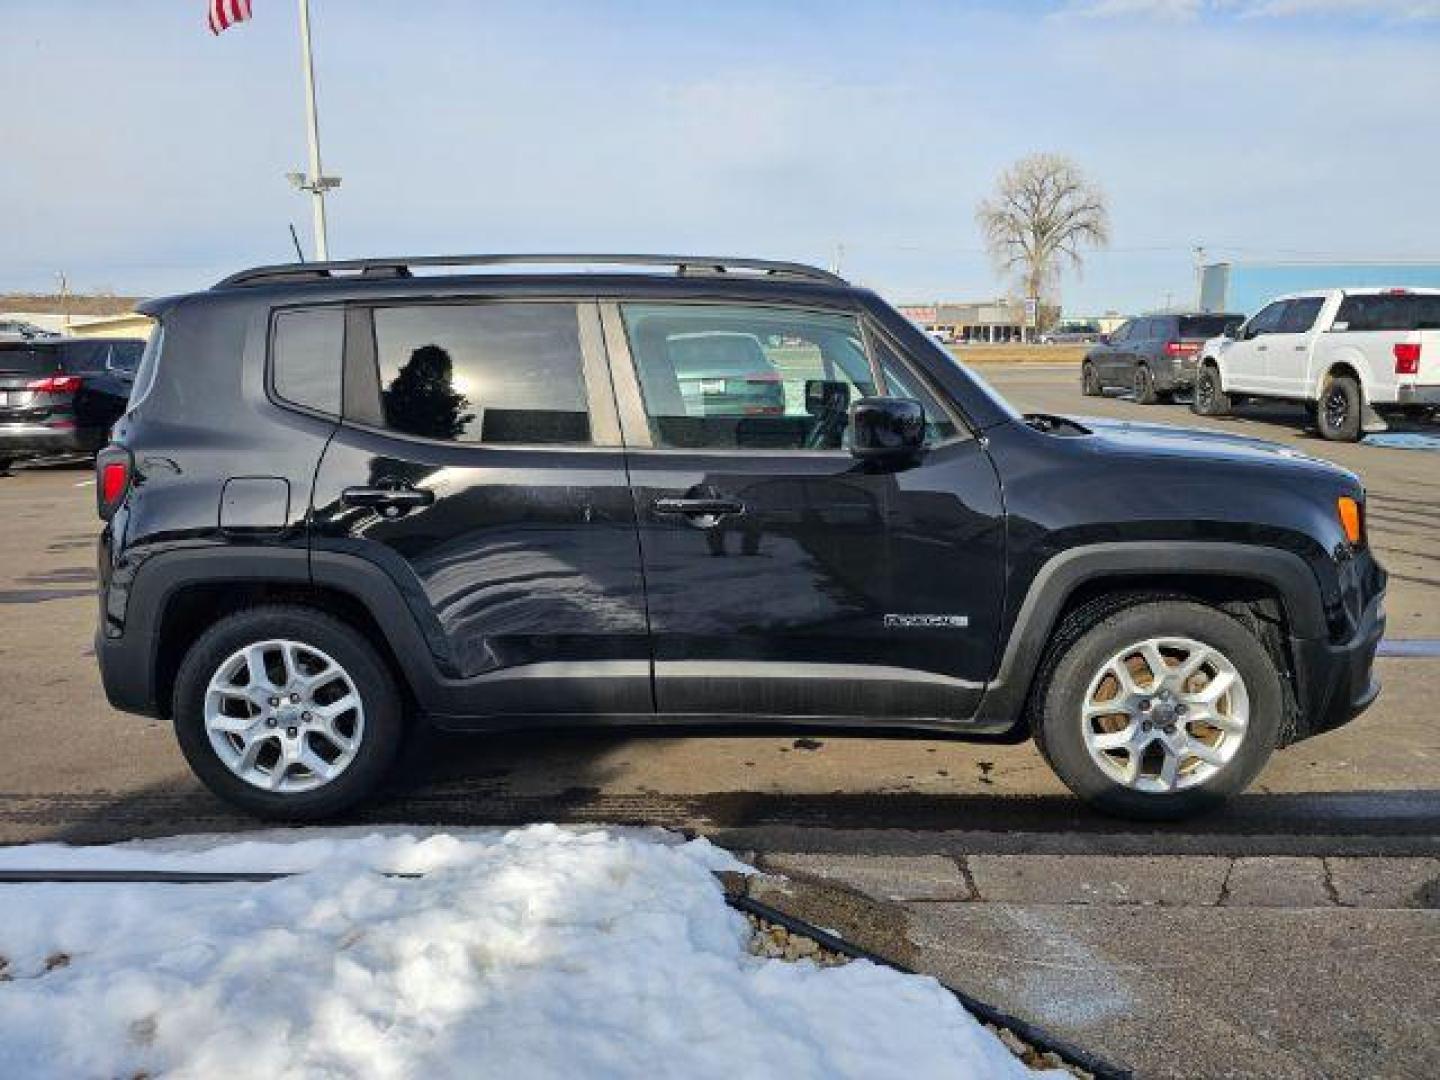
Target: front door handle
[
  {"x": 390, "y": 501},
  {"x": 713, "y": 507},
  {"x": 1261, "y": 348}
]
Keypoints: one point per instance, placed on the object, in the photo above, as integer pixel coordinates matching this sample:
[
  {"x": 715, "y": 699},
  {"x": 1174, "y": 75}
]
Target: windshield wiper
[{"x": 1052, "y": 424}]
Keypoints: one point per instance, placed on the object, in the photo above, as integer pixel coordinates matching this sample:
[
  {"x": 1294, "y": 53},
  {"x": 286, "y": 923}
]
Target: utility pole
[
  {"x": 315, "y": 181},
  {"x": 1199, "y": 277}
]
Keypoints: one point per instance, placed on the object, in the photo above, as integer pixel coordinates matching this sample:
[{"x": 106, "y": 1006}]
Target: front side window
[
  {"x": 1267, "y": 321},
  {"x": 749, "y": 378},
  {"x": 1300, "y": 315},
  {"x": 305, "y": 356},
  {"x": 483, "y": 373},
  {"x": 901, "y": 382}
]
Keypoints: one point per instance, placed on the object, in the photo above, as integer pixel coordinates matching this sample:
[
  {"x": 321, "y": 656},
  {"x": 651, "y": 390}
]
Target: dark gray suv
[{"x": 1154, "y": 355}]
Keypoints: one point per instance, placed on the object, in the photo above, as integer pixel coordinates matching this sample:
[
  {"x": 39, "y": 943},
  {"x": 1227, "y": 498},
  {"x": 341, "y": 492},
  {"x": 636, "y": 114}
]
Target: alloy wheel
[
  {"x": 1205, "y": 392},
  {"x": 1337, "y": 408},
  {"x": 1165, "y": 714},
  {"x": 284, "y": 716}
]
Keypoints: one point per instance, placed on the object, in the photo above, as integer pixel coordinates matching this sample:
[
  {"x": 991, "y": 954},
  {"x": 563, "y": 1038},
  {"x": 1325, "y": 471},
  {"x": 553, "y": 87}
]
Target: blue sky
[{"x": 144, "y": 155}]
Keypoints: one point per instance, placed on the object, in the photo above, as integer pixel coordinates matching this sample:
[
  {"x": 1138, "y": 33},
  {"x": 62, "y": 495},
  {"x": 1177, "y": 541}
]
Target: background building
[
  {"x": 1246, "y": 287},
  {"x": 983, "y": 321}
]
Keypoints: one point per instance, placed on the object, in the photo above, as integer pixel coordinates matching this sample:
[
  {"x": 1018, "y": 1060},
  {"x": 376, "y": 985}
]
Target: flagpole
[{"x": 317, "y": 183}]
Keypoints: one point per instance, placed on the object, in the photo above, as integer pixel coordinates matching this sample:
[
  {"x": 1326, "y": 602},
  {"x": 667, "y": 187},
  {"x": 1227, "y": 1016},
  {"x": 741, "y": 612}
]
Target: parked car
[
  {"x": 59, "y": 396},
  {"x": 1354, "y": 356},
  {"x": 347, "y": 501},
  {"x": 1153, "y": 356},
  {"x": 1072, "y": 333},
  {"x": 722, "y": 372}
]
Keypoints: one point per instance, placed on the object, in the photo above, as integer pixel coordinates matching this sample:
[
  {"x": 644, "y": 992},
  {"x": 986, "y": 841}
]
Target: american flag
[{"x": 226, "y": 13}]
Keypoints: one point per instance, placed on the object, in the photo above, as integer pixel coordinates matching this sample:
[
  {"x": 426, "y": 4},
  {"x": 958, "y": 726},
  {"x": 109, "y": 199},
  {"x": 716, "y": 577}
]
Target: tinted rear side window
[
  {"x": 22, "y": 359},
  {"x": 483, "y": 373},
  {"x": 1207, "y": 326},
  {"x": 1388, "y": 311},
  {"x": 305, "y": 356}
]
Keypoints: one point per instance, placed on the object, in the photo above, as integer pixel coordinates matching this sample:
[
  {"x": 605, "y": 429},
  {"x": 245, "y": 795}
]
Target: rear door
[
  {"x": 785, "y": 579},
  {"x": 478, "y": 467},
  {"x": 1287, "y": 357}
]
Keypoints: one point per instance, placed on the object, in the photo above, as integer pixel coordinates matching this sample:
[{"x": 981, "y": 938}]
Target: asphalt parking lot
[
  {"x": 74, "y": 769},
  {"x": 1292, "y": 934}
]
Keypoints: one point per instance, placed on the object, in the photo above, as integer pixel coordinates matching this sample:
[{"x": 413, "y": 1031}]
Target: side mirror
[
  {"x": 1234, "y": 332},
  {"x": 1103, "y": 339},
  {"x": 887, "y": 429}
]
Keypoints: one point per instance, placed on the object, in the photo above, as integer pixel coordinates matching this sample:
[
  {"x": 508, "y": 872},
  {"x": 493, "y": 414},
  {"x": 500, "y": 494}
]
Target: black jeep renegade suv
[{"x": 349, "y": 498}]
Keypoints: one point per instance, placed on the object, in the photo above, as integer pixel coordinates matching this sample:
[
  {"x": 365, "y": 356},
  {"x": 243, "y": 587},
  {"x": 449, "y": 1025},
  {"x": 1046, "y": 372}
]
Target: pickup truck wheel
[
  {"x": 287, "y": 713},
  {"x": 1339, "y": 413},
  {"x": 1210, "y": 399},
  {"x": 1090, "y": 384},
  {"x": 1159, "y": 710},
  {"x": 1145, "y": 392}
]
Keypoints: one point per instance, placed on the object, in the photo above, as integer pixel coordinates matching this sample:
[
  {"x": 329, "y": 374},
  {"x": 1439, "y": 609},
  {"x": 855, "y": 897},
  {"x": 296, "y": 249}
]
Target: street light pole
[{"x": 315, "y": 182}]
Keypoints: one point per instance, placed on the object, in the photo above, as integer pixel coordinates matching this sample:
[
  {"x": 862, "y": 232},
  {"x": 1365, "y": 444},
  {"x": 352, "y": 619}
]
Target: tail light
[
  {"x": 1181, "y": 348},
  {"x": 114, "y": 473},
  {"x": 55, "y": 384},
  {"x": 1407, "y": 359}
]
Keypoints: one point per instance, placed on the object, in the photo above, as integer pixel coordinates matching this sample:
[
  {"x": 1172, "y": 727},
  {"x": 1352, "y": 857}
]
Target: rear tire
[
  {"x": 1145, "y": 392},
  {"x": 1090, "y": 384},
  {"x": 1182, "y": 765},
  {"x": 294, "y": 712},
  {"x": 1209, "y": 399},
  {"x": 1339, "y": 414}
]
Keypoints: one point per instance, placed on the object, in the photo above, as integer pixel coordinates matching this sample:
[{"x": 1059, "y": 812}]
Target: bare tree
[{"x": 1043, "y": 212}]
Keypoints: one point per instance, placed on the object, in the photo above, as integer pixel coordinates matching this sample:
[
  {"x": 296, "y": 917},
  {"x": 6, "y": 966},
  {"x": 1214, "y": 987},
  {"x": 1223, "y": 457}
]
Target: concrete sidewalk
[{"x": 1176, "y": 966}]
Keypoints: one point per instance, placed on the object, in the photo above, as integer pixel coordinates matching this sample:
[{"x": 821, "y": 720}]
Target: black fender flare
[
  {"x": 1284, "y": 571},
  {"x": 130, "y": 661}
]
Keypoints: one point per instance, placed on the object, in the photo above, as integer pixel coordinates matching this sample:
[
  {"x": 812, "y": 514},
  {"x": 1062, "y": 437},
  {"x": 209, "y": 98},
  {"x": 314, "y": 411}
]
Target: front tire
[
  {"x": 1209, "y": 399},
  {"x": 287, "y": 713},
  {"x": 1339, "y": 414},
  {"x": 1158, "y": 710}
]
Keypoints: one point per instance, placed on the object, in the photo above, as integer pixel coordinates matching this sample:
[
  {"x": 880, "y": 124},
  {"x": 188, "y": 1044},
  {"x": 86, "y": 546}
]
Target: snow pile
[{"x": 537, "y": 952}]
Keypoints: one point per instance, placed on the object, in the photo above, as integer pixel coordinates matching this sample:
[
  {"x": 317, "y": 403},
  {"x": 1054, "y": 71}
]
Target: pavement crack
[
  {"x": 1223, "y": 899},
  {"x": 1329, "y": 882},
  {"x": 962, "y": 863}
]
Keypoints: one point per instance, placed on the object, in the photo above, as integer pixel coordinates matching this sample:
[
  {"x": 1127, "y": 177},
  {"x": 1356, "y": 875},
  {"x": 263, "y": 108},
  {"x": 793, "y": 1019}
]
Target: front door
[
  {"x": 479, "y": 467},
  {"x": 1247, "y": 356},
  {"x": 783, "y": 577}
]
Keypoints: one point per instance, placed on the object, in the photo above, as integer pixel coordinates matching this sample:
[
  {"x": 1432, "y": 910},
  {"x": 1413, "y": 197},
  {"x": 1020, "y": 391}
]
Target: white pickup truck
[{"x": 1353, "y": 355}]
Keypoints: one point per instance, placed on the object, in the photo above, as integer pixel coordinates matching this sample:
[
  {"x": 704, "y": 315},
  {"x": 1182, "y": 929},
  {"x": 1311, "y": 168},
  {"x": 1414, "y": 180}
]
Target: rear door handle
[
  {"x": 390, "y": 501},
  {"x": 1261, "y": 348},
  {"x": 699, "y": 507}
]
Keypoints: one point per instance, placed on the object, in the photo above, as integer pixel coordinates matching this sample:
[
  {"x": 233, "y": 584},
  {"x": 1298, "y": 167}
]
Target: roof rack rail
[{"x": 400, "y": 266}]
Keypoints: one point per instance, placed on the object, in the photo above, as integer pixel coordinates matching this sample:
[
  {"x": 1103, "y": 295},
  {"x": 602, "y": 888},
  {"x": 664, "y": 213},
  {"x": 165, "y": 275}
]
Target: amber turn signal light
[{"x": 1349, "y": 511}]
